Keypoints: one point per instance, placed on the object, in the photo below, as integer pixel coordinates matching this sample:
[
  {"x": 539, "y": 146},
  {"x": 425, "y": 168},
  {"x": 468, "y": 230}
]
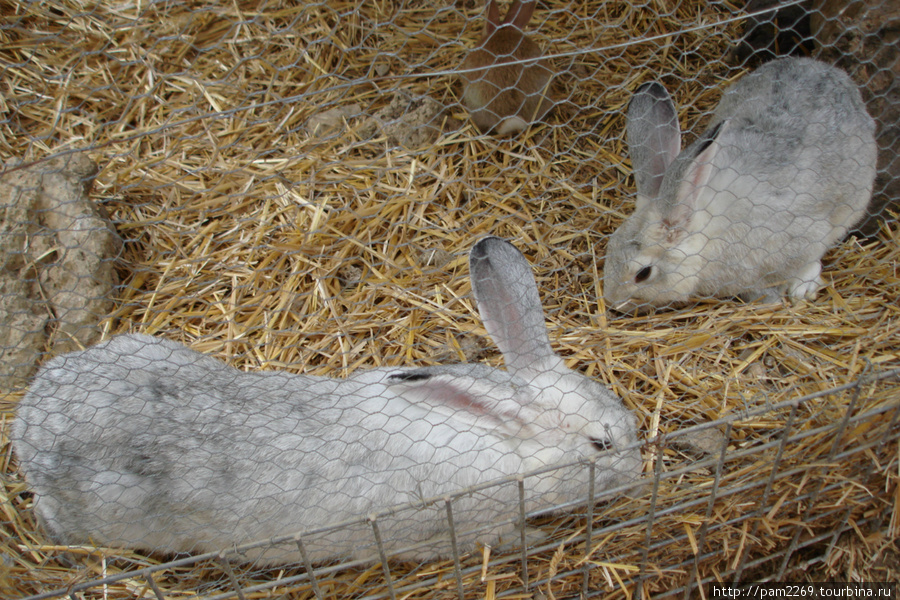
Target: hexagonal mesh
[{"x": 262, "y": 336}]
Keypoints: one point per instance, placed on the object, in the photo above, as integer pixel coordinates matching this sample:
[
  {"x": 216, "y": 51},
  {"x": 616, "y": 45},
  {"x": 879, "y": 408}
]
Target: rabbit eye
[
  {"x": 643, "y": 275},
  {"x": 600, "y": 445}
]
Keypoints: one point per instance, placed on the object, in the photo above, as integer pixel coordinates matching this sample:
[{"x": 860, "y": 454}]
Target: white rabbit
[
  {"x": 783, "y": 172},
  {"x": 142, "y": 442}
]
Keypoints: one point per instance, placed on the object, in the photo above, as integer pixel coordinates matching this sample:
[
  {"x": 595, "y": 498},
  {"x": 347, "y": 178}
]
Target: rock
[
  {"x": 407, "y": 121},
  {"x": 331, "y": 122},
  {"x": 351, "y": 275},
  {"x": 434, "y": 257},
  {"x": 710, "y": 440},
  {"x": 382, "y": 66},
  {"x": 57, "y": 264}
]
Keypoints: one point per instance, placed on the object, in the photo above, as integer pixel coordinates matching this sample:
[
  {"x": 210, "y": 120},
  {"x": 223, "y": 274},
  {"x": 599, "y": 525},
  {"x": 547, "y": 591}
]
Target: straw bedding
[{"x": 255, "y": 237}]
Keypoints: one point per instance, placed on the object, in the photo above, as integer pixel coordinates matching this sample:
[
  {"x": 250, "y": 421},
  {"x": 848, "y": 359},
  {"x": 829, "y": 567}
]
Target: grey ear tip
[
  {"x": 652, "y": 102},
  {"x": 487, "y": 245},
  {"x": 653, "y": 88}
]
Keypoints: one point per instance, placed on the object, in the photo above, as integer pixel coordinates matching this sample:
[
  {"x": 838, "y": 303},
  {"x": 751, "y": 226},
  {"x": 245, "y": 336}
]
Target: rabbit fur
[
  {"x": 505, "y": 77},
  {"x": 141, "y": 442},
  {"x": 784, "y": 171}
]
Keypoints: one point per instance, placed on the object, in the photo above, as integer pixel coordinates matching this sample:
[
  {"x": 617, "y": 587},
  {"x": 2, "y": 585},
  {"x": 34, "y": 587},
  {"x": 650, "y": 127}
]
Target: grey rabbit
[
  {"x": 784, "y": 171},
  {"x": 141, "y": 442}
]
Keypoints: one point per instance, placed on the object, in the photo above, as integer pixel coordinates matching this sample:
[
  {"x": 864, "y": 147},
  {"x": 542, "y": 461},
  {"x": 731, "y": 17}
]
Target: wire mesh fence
[{"x": 296, "y": 191}]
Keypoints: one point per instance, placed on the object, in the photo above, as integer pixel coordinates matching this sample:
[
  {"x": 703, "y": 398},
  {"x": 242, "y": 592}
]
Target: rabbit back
[
  {"x": 811, "y": 132},
  {"x": 797, "y": 163}
]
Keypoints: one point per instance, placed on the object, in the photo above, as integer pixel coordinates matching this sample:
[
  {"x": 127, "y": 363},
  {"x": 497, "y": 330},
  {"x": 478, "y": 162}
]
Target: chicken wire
[{"x": 296, "y": 187}]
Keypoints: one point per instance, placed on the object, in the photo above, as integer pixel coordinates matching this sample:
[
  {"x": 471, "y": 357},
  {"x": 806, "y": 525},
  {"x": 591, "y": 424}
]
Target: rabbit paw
[
  {"x": 772, "y": 295},
  {"x": 806, "y": 283},
  {"x": 511, "y": 125},
  {"x": 512, "y": 540}
]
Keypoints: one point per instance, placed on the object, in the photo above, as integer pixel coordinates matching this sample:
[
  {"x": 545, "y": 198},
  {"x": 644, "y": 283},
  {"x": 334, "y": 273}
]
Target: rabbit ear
[
  {"x": 493, "y": 18},
  {"x": 654, "y": 138},
  {"x": 519, "y": 14},
  {"x": 510, "y": 306},
  {"x": 458, "y": 391},
  {"x": 695, "y": 175}
]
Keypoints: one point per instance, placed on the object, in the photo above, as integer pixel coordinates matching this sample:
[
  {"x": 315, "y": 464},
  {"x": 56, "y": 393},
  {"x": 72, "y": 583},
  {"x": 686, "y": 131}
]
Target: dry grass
[{"x": 250, "y": 238}]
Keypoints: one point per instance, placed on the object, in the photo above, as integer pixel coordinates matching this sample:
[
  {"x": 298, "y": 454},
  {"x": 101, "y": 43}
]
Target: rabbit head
[
  {"x": 573, "y": 412},
  {"x": 643, "y": 261},
  {"x": 538, "y": 409}
]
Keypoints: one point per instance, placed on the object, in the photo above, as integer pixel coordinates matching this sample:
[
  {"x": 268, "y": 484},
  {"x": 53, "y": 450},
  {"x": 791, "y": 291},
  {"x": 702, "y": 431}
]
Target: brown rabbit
[{"x": 504, "y": 93}]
